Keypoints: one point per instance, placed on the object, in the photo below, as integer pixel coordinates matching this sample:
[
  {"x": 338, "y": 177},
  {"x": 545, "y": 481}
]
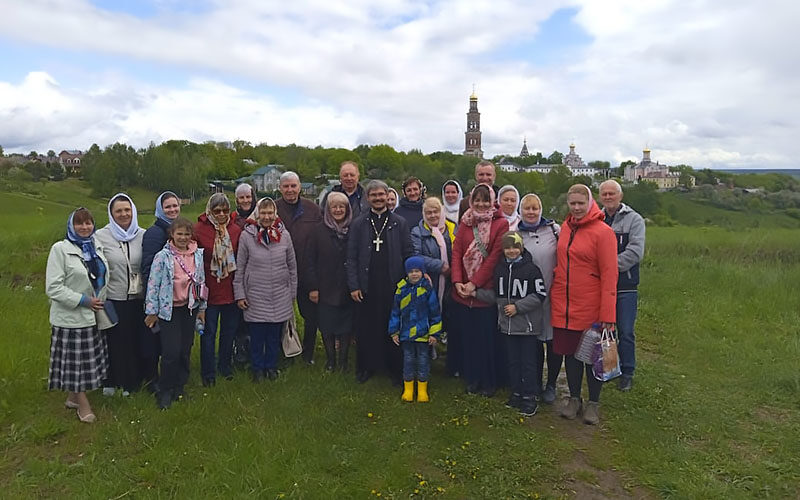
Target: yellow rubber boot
[
  {"x": 422, "y": 392},
  {"x": 408, "y": 390}
]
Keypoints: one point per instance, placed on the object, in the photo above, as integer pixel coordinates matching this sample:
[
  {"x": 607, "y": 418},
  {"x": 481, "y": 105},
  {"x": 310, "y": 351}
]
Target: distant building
[
  {"x": 506, "y": 165},
  {"x": 265, "y": 179},
  {"x": 70, "y": 159},
  {"x": 523, "y": 153},
  {"x": 472, "y": 137},
  {"x": 575, "y": 163},
  {"x": 648, "y": 170}
]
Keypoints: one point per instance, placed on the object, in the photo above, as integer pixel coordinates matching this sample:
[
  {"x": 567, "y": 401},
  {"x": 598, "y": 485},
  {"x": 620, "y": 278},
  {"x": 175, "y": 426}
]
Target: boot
[
  {"x": 572, "y": 408},
  {"x": 343, "y": 348},
  {"x": 422, "y": 392},
  {"x": 408, "y": 390},
  {"x": 330, "y": 352},
  {"x": 591, "y": 413}
]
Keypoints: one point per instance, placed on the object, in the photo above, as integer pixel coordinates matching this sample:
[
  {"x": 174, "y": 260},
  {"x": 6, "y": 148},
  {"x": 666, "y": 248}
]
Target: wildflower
[{"x": 369, "y": 415}]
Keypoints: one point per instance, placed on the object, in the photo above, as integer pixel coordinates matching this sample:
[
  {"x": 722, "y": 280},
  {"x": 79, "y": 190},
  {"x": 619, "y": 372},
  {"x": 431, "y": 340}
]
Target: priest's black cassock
[{"x": 378, "y": 245}]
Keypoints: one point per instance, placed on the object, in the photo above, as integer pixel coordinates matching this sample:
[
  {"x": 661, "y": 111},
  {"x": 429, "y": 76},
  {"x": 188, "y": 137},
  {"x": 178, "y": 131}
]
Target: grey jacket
[
  {"x": 542, "y": 244},
  {"x": 629, "y": 229},
  {"x": 118, "y": 254},
  {"x": 266, "y": 276}
]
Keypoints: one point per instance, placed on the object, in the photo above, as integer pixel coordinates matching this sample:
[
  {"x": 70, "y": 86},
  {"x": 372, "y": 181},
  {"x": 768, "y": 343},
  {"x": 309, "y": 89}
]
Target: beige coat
[{"x": 66, "y": 281}]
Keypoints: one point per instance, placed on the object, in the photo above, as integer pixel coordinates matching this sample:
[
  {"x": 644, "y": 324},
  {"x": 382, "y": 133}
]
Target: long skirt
[
  {"x": 478, "y": 330},
  {"x": 78, "y": 359}
]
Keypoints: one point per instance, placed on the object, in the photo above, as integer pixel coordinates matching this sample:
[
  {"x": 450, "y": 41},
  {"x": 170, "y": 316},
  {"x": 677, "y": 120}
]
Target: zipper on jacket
[
  {"x": 569, "y": 244},
  {"x": 508, "y": 296}
]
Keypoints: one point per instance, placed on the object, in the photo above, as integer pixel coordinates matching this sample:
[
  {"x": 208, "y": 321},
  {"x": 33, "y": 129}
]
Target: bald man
[
  {"x": 485, "y": 173},
  {"x": 629, "y": 229}
]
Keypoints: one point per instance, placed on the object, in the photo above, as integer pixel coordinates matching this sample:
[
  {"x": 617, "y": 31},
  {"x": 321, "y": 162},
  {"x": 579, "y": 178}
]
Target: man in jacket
[
  {"x": 300, "y": 217},
  {"x": 348, "y": 178},
  {"x": 629, "y": 229},
  {"x": 379, "y": 242}
]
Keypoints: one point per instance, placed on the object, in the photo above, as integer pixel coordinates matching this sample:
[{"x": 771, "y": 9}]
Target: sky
[{"x": 705, "y": 83}]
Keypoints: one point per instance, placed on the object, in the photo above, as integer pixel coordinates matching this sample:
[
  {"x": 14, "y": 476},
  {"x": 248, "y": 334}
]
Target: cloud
[{"x": 700, "y": 83}]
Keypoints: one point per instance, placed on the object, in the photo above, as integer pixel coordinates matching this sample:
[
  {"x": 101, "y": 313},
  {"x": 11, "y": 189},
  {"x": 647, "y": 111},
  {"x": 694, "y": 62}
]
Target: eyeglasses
[{"x": 220, "y": 211}]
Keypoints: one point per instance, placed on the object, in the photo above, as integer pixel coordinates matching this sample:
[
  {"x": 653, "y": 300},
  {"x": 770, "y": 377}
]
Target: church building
[{"x": 472, "y": 137}]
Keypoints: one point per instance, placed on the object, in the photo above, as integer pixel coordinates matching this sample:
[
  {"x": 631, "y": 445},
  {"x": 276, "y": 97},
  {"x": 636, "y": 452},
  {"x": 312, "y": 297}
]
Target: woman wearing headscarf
[
  {"x": 391, "y": 199},
  {"x": 121, "y": 240},
  {"x": 584, "y": 292},
  {"x": 508, "y": 199},
  {"x": 451, "y": 200},
  {"x": 540, "y": 237},
  {"x": 245, "y": 204},
  {"x": 217, "y": 233},
  {"x": 265, "y": 286},
  {"x": 326, "y": 252},
  {"x": 168, "y": 208},
  {"x": 476, "y": 250},
  {"x": 409, "y": 206},
  {"x": 75, "y": 283},
  {"x": 432, "y": 239}
]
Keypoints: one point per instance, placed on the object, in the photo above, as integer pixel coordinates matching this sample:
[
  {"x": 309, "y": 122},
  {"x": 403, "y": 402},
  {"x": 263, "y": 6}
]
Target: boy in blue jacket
[{"x": 415, "y": 323}]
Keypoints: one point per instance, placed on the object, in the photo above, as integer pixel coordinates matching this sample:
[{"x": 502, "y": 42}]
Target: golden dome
[
  {"x": 473, "y": 97},
  {"x": 646, "y": 150}
]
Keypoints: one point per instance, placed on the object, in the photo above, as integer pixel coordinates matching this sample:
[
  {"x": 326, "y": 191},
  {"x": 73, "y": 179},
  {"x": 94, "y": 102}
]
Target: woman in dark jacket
[
  {"x": 474, "y": 260},
  {"x": 217, "y": 233},
  {"x": 409, "y": 206},
  {"x": 326, "y": 253}
]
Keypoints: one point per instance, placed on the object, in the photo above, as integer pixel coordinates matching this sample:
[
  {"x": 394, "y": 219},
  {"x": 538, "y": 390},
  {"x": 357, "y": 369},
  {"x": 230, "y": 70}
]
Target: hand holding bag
[
  {"x": 589, "y": 338},
  {"x": 290, "y": 340},
  {"x": 606, "y": 362}
]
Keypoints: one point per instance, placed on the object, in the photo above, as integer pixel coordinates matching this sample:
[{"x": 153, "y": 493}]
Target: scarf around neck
[
  {"x": 482, "y": 222},
  {"x": 223, "y": 260},
  {"x": 120, "y": 234},
  {"x": 95, "y": 266}
]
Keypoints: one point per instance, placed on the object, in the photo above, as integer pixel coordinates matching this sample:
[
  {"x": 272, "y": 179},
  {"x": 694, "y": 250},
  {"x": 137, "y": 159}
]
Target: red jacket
[
  {"x": 483, "y": 278},
  {"x": 584, "y": 288},
  {"x": 219, "y": 293}
]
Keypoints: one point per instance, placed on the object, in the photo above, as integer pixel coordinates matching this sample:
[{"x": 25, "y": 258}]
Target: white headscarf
[
  {"x": 514, "y": 218},
  {"x": 116, "y": 230},
  {"x": 451, "y": 210}
]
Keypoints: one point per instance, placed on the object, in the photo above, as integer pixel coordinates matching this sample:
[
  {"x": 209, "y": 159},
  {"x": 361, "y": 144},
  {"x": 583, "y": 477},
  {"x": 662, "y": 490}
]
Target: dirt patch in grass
[{"x": 585, "y": 481}]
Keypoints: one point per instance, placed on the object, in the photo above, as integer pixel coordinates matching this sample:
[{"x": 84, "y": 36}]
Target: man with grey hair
[
  {"x": 630, "y": 231},
  {"x": 379, "y": 242},
  {"x": 300, "y": 217},
  {"x": 348, "y": 178}
]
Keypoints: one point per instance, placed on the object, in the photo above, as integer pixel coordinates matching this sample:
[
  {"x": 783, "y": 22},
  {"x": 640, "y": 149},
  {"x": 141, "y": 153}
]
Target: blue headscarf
[
  {"x": 97, "y": 270},
  {"x": 160, "y": 209}
]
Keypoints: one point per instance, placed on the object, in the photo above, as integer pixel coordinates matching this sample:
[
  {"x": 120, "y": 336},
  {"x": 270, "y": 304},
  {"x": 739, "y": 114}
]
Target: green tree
[
  {"x": 555, "y": 158},
  {"x": 644, "y": 198},
  {"x": 557, "y": 181},
  {"x": 599, "y": 164},
  {"x": 383, "y": 162},
  {"x": 37, "y": 170},
  {"x": 56, "y": 171},
  {"x": 51, "y": 153}
]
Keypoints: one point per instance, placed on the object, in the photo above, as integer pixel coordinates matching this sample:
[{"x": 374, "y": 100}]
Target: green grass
[{"x": 715, "y": 410}]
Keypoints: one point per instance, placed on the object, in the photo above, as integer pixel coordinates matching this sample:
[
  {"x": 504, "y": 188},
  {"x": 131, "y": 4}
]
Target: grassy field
[{"x": 715, "y": 411}]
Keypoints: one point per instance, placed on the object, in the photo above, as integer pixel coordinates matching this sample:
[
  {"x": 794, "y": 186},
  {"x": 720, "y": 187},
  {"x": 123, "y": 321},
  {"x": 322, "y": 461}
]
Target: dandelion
[
  {"x": 369, "y": 415},
  {"x": 416, "y": 490},
  {"x": 440, "y": 489}
]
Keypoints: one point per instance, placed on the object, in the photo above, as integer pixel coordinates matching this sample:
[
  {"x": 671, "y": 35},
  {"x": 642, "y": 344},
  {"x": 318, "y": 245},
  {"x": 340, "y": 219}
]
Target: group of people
[{"x": 507, "y": 290}]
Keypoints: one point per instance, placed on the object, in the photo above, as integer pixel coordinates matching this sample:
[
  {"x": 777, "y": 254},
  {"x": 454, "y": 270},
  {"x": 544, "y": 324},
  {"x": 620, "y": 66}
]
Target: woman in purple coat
[{"x": 265, "y": 285}]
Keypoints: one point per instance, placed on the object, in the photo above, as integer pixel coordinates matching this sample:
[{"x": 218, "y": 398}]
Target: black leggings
[
  {"x": 553, "y": 363},
  {"x": 575, "y": 370}
]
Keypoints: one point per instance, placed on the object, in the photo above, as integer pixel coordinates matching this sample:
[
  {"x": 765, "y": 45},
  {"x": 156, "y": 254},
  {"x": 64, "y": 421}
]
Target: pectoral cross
[{"x": 377, "y": 242}]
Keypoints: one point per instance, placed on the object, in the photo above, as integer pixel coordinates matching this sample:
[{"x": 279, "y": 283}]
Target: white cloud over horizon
[{"x": 699, "y": 83}]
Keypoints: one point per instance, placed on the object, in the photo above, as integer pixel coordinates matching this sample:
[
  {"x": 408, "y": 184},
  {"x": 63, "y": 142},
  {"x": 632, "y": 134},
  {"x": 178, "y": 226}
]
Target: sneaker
[
  {"x": 625, "y": 383},
  {"x": 572, "y": 408},
  {"x": 591, "y": 413},
  {"x": 527, "y": 407},
  {"x": 109, "y": 391},
  {"x": 549, "y": 395},
  {"x": 514, "y": 401}
]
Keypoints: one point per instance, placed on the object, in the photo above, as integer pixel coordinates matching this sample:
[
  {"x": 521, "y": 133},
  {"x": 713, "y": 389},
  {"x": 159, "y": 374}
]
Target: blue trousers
[
  {"x": 416, "y": 360},
  {"x": 627, "y": 303},
  {"x": 265, "y": 344},
  {"x": 227, "y": 316}
]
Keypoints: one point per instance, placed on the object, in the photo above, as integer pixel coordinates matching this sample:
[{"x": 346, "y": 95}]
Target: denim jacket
[{"x": 159, "y": 285}]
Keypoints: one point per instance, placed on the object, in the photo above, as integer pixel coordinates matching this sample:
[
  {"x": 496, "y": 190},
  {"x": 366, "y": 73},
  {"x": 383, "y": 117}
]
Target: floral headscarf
[{"x": 223, "y": 260}]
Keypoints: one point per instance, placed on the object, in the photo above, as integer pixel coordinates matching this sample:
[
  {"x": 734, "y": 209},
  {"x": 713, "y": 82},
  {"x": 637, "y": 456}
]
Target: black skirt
[{"x": 335, "y": 320}]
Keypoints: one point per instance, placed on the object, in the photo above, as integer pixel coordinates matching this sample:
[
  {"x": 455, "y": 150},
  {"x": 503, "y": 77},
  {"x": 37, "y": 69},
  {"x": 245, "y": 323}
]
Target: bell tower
[{"x": 472, "y": 139}]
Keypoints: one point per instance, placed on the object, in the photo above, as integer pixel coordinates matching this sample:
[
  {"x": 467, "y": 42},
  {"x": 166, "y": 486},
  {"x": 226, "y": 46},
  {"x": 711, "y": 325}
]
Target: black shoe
[
  {"x": 549, "y": 395},
  {"x": 164, "y": 400},
  {"x": 514, "y": 401},
  {"x": 257, "y": 377},
  {"x": 209, "y": 382},
  {"x": 229, "y": 376},
  {"x": 363, "y": 376},
  {"x": 272, "y": 374},
  {"x": 179, "y": 395},
  {"x": 527, "y": 407},
  {"x": 625, "y": 383},
  {"x": 330, "y": 366},
  {"x": 488, "y": 392}
]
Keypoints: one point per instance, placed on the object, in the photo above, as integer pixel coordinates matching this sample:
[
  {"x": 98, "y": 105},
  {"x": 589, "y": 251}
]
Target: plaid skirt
[{"x": 78, "y": 359}]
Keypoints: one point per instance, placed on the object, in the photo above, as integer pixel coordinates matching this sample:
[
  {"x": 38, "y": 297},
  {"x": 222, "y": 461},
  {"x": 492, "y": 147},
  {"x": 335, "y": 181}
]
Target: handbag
[
  {"x": 290, "y": 341},
  {"x": 106, "y": 317},
  {"x": 589, "y": 338},
  {"x": 606, "y": 362}
]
